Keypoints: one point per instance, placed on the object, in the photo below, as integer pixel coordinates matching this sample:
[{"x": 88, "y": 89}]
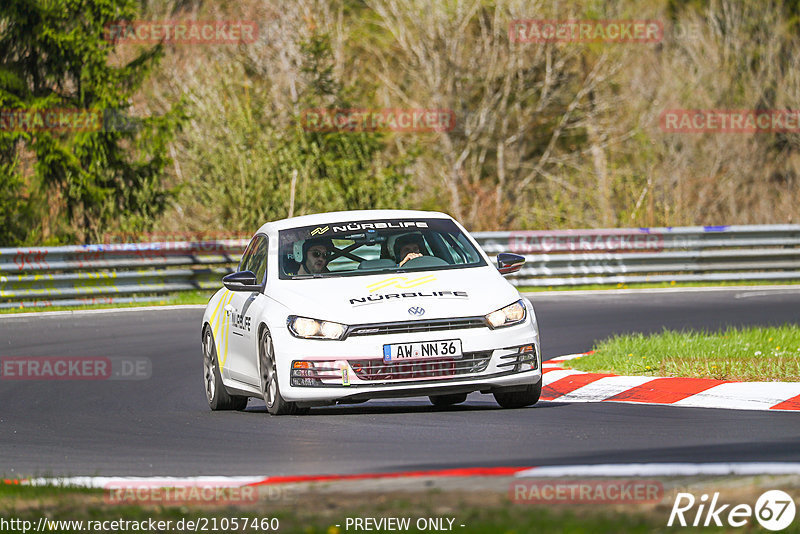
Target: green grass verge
[
  {"x": 184, "y": 297},
  {"x": 321, "y": 509},
  {"x": 320, "y": 514},
  {"x": 749, "y": 354},
  {"x": 732, "y": 283}
]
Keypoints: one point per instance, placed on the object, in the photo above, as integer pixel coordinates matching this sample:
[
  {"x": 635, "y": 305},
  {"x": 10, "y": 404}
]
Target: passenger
[
  {"x": 408, "y": 247},
  {"x": 316, "y": 254}
]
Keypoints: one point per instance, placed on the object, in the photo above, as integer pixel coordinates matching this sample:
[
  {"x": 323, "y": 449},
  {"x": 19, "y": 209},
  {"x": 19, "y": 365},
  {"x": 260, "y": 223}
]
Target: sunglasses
[{"x": 318, "y": 254}]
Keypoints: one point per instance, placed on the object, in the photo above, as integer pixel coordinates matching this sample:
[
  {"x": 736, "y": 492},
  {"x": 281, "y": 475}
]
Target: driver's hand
[{"x": 410, "y": 256}]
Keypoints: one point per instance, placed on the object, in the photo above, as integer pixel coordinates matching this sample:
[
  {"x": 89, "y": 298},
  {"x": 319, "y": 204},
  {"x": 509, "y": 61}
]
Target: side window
[
  {"x": 247, "y": 254},
  {"x": 467, "y": 250},
  {"x": 259, "y": 260},
  {"x": 255, "y": 258},
  {"x": 457, "y": 250}
]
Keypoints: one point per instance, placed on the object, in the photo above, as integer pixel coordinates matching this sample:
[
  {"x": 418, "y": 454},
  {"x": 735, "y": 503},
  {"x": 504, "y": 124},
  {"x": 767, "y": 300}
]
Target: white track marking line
[
  {"x": 663, "y": 469},
  {"x": 153, "y": 482},
  {"x": 644, "y": 291},
  {"x": 605, "y": 388},
  {"x": 4, "y": 316},
  {"x": 732, "y": 396},
  {"x": 743, "y": 395},
  {"x": 559, "y": 359},
  {"x": 552, "y": 376}
]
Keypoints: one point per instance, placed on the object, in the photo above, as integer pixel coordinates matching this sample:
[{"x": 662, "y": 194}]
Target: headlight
[
  {"x": 510, "y": 315},
  {"x": 313, "y": 329}
]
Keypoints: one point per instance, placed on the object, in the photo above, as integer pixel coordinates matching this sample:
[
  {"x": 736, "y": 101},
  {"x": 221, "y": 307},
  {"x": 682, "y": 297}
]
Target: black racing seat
[{"x": 290, "y": 266}]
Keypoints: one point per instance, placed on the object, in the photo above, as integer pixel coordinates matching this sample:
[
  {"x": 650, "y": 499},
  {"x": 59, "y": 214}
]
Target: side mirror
[
  {"x": 508, "y": 263},
  {"x": 241, "y": 281}
]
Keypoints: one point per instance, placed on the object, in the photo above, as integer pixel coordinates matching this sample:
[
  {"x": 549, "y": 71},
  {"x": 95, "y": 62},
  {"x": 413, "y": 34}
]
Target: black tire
[
  {"x": 270, "y": 388},
  {"x": 519, "y": 399},
  {"x": 216, "y": 394},
  {"x": 441, "y": 401}
]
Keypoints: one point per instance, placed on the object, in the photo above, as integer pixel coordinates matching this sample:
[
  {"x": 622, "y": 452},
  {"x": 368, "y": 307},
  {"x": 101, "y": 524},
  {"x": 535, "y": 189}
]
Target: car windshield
[{"x": 352, "y": 248}]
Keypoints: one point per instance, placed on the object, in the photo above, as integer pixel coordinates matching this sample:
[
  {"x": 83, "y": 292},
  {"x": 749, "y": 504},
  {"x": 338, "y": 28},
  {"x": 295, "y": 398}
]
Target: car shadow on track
[{"x": 396, "y": 408}]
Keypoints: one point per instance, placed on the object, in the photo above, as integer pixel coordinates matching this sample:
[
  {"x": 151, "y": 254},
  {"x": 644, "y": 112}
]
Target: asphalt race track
[{"x": 162, "y": 425}]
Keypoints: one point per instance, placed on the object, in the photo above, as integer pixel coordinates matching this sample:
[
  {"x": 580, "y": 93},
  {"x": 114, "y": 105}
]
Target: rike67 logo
[{"x": 774, "y": 510}]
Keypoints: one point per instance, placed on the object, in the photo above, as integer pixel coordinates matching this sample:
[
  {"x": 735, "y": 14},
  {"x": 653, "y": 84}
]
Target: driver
[
  {"x": 408, "y": 247},
  {"x": 316, "y": 253}
]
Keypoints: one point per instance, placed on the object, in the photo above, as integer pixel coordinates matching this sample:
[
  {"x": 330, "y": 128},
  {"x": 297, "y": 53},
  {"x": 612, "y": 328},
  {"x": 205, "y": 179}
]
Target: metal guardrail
[
  {"x": 111, "y": 273},
  {"x": 624, "y": 256},
  {"x": 101, "y": 274}
]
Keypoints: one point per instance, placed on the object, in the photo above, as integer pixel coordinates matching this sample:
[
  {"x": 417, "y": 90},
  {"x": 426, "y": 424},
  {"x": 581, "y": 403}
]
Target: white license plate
[{"x": 449, "y": 348}]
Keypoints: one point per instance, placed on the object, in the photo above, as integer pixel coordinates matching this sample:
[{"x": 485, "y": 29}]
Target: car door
[{"x": 242, "y": 362}]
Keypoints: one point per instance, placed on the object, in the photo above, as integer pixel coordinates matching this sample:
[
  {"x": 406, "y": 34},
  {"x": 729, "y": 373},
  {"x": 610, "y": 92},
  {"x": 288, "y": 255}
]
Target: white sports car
[{"x": 349, "y": 306}]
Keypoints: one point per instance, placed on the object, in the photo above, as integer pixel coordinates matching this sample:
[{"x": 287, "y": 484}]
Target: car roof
[{"x": 348, "y": 216}]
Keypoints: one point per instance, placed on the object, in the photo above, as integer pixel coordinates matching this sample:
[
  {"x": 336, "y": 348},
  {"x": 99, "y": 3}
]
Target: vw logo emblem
[{"x": 416, "y": 310}]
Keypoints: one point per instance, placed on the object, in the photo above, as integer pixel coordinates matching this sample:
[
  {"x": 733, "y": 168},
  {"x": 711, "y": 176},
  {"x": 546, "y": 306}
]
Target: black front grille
[
  {"x": 409, "y": 327},
  {"x": 376, "y": 370}
]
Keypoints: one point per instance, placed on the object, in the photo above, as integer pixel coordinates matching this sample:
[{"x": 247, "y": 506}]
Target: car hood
[{"x": 397, "y": 296}]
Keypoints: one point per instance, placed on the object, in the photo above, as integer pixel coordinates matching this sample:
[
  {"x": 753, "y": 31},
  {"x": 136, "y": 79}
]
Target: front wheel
[
  {"x": 519, "y": 399},
  {"x": 216, "y": 395},
  {"x": 270, "y": 389}
]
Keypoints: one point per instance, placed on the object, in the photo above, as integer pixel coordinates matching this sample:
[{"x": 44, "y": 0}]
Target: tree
[
  {"x": 56, "y": 55},
  {"x": 15, "y": 215},
  {"x": 521, "y": 108},
  {"x": 251, "y": 159}
]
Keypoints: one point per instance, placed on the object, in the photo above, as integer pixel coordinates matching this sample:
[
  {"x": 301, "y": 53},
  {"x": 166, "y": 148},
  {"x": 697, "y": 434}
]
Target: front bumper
[{"x": 353, "y": 369}]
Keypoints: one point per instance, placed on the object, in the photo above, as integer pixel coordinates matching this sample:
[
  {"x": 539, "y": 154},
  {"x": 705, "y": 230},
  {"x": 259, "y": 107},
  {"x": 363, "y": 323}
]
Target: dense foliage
[
  {"x": 90, "y": 169},
  {"x": 547, "y": 134}
]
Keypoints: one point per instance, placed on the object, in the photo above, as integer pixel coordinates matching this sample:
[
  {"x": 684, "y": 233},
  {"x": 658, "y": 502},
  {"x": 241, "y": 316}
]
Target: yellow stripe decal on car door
[
  {"x": 218, "y": 328},
  {"x": 226, "y": 330},
  {"x": 216, "y": 311}
]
